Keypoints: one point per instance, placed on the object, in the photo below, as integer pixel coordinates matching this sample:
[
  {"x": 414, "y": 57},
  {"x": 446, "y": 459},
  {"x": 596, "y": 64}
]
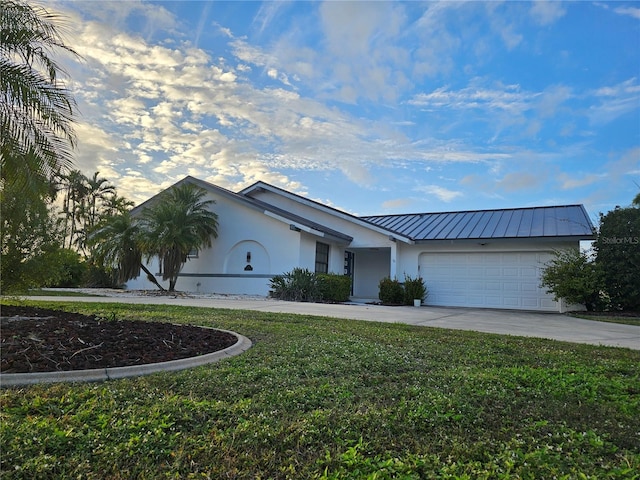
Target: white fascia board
[
  {"x": 330, "y": 210},
  {"x": 304, "y": 228}
]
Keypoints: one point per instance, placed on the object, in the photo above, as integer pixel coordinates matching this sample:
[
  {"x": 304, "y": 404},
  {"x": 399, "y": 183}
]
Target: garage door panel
[
  {"x": 511, "y": 302},
  {"x": 494, "y": 280},
  {"x": 528, "y": 257},
  {"x": 493, "y": 301},
  {"x": 527, "y": 287},
  {"x": 511, "y": 287},
  {"x": 531, "y": 303},
  {"x": 511, "y": 272}
]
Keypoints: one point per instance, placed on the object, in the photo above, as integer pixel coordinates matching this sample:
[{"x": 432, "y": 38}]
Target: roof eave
[
  {"x": 261, "y": 186},
  {"x": 547, "y": 238}
]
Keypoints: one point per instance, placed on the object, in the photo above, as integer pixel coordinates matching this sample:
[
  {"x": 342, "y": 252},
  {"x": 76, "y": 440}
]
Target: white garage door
[{"x": 490, "y": 280}]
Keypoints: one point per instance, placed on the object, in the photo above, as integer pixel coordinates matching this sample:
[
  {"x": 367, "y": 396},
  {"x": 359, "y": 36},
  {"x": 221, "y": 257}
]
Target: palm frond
[{"x": 36, "y": 110}]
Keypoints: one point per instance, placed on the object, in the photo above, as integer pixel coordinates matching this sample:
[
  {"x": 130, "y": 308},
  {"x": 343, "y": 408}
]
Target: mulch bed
[{"x": 42, "y": 340}]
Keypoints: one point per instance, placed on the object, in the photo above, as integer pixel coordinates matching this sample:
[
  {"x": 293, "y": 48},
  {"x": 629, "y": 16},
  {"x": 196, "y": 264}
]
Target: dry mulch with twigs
[{"x": 42, "y": 340}]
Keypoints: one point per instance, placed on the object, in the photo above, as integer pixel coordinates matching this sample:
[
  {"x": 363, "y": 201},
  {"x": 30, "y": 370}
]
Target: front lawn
[
  {"x": 611, "y": 317},
  {"x": 337, "y": 399},
  {"x": 41, "y": 292}
]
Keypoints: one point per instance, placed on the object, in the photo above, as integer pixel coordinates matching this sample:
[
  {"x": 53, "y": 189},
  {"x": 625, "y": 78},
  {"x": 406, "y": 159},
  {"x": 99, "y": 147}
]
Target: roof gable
[
  {"x": 532, "y": 222},
  {"x": 295, "y": 221},
  {"x": 261, "y": 187}
]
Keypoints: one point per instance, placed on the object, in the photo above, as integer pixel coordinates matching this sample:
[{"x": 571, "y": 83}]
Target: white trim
[{"x": 298, "y": 226}]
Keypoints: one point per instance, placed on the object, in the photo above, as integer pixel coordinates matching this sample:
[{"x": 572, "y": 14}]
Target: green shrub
[
  {"x": 97, "y": 276},
  {"x": 334, "y": 287},
  {"x": 572, "y": 275},
  {"x": 299, "y": 285},
  {"x": 618, "y": 257},
  {"x": 66, "y": 268},
  {"x": 390, "y": 291},
  {"x": 414, "y": 289}
]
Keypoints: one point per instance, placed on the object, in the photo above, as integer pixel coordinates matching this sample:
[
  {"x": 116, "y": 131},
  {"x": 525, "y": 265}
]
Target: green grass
[
  {"x": 338, "y": 399},
  {"x": 609, "y": 319},
  {"x": 38, "y": 292}
]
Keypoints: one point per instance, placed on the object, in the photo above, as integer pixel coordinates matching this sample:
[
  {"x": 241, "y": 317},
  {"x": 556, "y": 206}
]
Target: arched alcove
[{"x": 248, "y": 257}]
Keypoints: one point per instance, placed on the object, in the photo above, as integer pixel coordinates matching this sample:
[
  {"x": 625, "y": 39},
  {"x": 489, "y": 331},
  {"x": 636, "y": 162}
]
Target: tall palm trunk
[{"x": 152, "y": 278}]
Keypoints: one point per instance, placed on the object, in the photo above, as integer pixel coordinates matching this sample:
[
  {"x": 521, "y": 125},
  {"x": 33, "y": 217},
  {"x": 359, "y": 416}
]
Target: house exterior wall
[
  {"x": 273, "y": 246},
  {"x": 362, "y": 236}
]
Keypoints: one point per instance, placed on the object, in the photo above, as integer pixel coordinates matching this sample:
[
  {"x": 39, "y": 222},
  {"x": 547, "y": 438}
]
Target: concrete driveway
[{"x": 506, "y": 322}]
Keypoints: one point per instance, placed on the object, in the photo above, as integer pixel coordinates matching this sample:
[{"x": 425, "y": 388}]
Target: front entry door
[{"x": 349, "y": 260}]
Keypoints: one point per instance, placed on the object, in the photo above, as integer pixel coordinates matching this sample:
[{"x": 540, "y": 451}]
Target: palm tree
[
  {"x": 73, "y": 204},
  {"x": 36, "y": 110},
  {"x": 117, "y": 245},
  {"x": 114, "y": 204},
  {"x": 179, "y": 223},
  {"x": 98, "y": 190}
]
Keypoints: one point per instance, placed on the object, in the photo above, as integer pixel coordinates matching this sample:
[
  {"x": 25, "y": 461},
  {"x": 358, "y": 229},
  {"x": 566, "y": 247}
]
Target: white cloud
[
  {"x": 569, "y": 182},
  {"x": 507, "y": 98},
  {"x": 168, "y": 125},
  {"x": 615, "y": 101},
  {"x": 396, "y": 204},
  {"x": 320, "y": 94},
  {"x": 267, "y": 12},
  {"x": 443, "y": 194},
  {"x": 630, "y": 11},
  {"x": 546, "y": 12},
  {"x": 518, "y": 181},
  {"x": 251, "y": 54},
  {"x": 502, "y": 25},
  {"x": 550, "y": 100}
]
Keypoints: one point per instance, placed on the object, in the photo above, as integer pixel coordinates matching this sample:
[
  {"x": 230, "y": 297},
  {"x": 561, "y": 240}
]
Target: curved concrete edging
[{"x": 101, "y": 374}]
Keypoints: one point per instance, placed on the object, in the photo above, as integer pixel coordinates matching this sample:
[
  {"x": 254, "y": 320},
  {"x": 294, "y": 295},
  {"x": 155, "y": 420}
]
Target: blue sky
[{"x": 370, "y": 107}]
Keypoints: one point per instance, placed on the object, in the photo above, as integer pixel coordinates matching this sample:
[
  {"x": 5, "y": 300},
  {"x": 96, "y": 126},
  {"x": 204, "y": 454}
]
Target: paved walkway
[{"x": 507, "y": 322}]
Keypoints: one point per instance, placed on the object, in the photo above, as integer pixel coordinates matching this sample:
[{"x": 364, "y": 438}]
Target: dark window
[{"x": 322, "y": 258}]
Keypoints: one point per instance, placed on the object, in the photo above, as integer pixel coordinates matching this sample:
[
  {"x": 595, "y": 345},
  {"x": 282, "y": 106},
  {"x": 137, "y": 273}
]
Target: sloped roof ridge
[
  {"x": 287, "y": 192},
  {"x": 472, "y": 211},
  {"x": 502, "y": 223},
  {"x": 244, "y": 192}
]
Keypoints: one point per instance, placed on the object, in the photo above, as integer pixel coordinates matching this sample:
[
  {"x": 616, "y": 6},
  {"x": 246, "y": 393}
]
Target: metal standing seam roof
[{"x": 532, "y": 222}]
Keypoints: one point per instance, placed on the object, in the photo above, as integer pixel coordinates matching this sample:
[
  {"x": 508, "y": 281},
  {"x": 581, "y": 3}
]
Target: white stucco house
[{"x": 484, "y": 258}]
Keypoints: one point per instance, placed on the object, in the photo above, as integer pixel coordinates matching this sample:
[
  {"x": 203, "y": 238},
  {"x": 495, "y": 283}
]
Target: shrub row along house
[{"x": 486, "y": 258}]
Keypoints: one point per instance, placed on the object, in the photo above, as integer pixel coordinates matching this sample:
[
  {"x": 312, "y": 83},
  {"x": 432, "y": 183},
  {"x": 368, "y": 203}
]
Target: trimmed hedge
[
  {"x": 335, "y": 287},
  {"x": 392, "y": 292},
  {"x": 414, "y": 289}
]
